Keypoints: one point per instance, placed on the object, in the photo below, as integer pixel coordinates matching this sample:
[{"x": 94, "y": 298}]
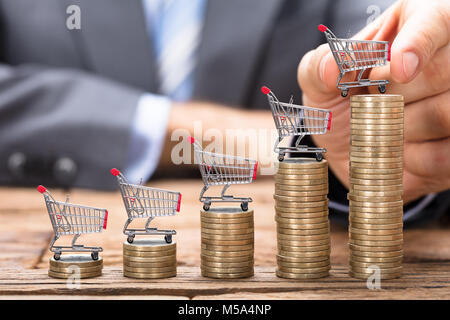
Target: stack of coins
[
  {"x": 149, "y": 259},
  {"x": 375, "y": 195},
  {"x": 80, "y": 265},
  {"x": 227, "y": 239},
  {"x": 301, "y": 213}
]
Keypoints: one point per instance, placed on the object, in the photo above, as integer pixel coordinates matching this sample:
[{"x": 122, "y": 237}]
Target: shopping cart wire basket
[
  {"x": 353, "y": 55},
  {"x": 148, "y": 203},
  {"x": 73, "y": 219},
  {"x": 219, "y": 169},
  {"x": 297, "y": 121}
]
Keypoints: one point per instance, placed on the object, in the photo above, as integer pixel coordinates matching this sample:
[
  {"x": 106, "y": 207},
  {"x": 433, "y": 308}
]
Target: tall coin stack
[
  {"x": 301, "y": 213},
  {"x": 375, "y": 195},
  {"x": 80, "y": 265},
  {"x": 149, "y": 259},
  {"x": 227, "y": 243}
]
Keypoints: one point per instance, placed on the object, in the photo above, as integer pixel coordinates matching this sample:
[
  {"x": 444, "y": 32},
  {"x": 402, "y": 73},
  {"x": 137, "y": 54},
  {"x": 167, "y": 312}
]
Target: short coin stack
[
  {"x": 149, "y": 259},
  {"x": 80, "y": 265},
  {"x": 301, "y": 213},
  {"x": 375, "y": 195},
  {"x": 227, "y": 240}
]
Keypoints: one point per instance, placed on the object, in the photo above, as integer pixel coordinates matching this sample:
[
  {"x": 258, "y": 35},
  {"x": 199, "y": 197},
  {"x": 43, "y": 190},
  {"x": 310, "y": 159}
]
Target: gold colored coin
[
  {"x": 354, "y": 159},
  {"x": 371, "y": 98},
  {"x": 377, "y": 188},
  {"x": 236, "y": 259},
  {"x": 302, "y": 163},
  {"x": 357, "y": 115},
  {"x": 303, "y": 243},
  {"x": 80, "y": 260},
  {"x": 209, "y": 269},
  {"x": 302, "y": 276},
  {"x": 366, "y": 226},
  {"x": 376, "y": 121},
  {"x": 377, "y": 138},
  {"x": 227, "y": 265},
  {"x": 304, "y": 226},
  {"x": 376, "y": 165},
  {"x": 283, "y": 193},
  {"x": 228, "y": 226},
  {"x": 63, "y": 275},
  {"x": 227, "y": 275},
  {"x": 227, "y": 242},
  {"x": 374, "y": 199},
  {"x": 302, "y": 265},
  {"x": 319, "y": 248},
  {"x": 373, "y": 182},
  {"x": 296, "y": 188},
  {"x": 377, "y": 127},
  {"x": 315, "y": 204},
  {"x": 149, "y": 245},
  {"x": 376, "y": 110},
  {"x": 394, "y": 214},
  {"x": 324, "y": 236},
  {"x": 322, "y": 214},
  {"x": 303, "y": 232},
  {"x": 376, "y": 149},
  {"x": 292, "y": 182},
  {"x": 372, "y": 243},
  {"x": 75, "y": 268},
  {"x": 244, "y": 247},
  {"x": 148, "y": 254},
  {"x": 300, "y": 221},
  {"x": 159, "y": 275},
  {"x": 370, "y": 204},
  {"x": 375, "y": 232},
  {"x": 237, "y": 232},
  {"x": 285, "y": 259},
  {"x": 301, "y": 199},
  {"x": 304, "y": 270},
  {"x": 374, "y": 260},
  {"x": 303, "y": 177},
  {"x": 368, "y": 210},
  {"x": 322, "y": 209},
  {"x": 152, "y": 265},
  {"x": 366, "y": 270},
  {"x": 364, "y": 237},
  {"x": 226, "y": 213},
  {"x": 376, "y": 193},
  {"x": 363, "y": 248},
  {"x": 226, "y": 221},
  {"x": 155, "y": 259},
  {"x": 150, "y": 270},
  {"x": 227, "y": 254},
  {"x": 392, "y": 154},
  {"x": 221, "y": 237},
  {"x": 375, "y": 220},
  {"x": 377, "y": 254},
  {"x": 383, "y": 276},
  {"x": 301, "y": 172},
  {"x": 305, "y": 254},
  {"x": 361, "y": 176},
  {"x": 375, "y": 143}
]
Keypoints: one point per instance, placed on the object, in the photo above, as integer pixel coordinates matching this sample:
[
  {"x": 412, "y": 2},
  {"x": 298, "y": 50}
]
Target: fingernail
[{"x": 410, "y": 64}]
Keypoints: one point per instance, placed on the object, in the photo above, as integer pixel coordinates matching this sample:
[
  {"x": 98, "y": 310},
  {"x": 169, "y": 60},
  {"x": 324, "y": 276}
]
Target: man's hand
[{"x": 419, "y": 70}]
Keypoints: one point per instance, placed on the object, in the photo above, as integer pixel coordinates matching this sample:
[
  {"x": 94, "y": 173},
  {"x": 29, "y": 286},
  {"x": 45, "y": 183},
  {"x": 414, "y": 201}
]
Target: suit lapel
[
  {"x": 115, "y": 42},
  {"x": 233, "y": 36}
]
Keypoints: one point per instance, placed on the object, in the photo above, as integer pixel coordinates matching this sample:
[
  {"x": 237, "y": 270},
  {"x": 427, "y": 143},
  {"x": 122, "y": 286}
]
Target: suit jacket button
[{"x": 65, "y": 171}]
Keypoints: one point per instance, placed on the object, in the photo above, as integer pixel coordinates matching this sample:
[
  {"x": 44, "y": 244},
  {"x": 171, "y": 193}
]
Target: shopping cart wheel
[
  {"x": 57, "y": 256},
  {"x": 319, "y": 156},
  {"x": 206, "y": 206},
  {"x": 130, "y": 239},
  {"x": 382, "y": 88},
  {"x": 244, "y": 206},
  {"x": 280, "y": 157},
  {"x": 344, "y": 92},
  {"x": 168, "y": 238},
  {"x": 94, "y": 255}
]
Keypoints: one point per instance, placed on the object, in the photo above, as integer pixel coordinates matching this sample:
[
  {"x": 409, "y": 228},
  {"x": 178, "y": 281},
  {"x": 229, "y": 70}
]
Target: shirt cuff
[{"x": 147, "y": 137}]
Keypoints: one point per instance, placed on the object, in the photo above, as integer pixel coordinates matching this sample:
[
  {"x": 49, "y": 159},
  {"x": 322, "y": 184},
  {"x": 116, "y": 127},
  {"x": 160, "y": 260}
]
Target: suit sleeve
[{"x": 49, "y": 114}]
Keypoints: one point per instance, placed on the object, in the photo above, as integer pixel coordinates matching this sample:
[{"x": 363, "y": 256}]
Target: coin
[
  {"x": 63, "y": 275},
  {"x": 227, "y": 275},
  {"x": 155, "y": 259},
  {"x": 288, "y": 275},
  {"x": 299, "y": 182},
  {"x": 228, "y": 226},
  {"x": 391, "y": 154},
  {"x": 80, "y": 260},
  {"x": 301, "y": 199},
  {"x": 375, "y": 260},
  {"x": 358, "y": 236},
  {"x": 226, "y": 221},
  {"x": 382, "y": 276},
  {"x": 281, "y": 171},
  {"x": 226, "y": 213},
  {"x": 375, "y": 232},
  {"x": 323, "y": 208},
  {"x": 292, "y": 249},
  {"x": 357, "y": 115},
  {"x": 227, "y": 265},
  {"x": 164, "y": 264},
  {"x": 159, "y": 275},
  {"x": 302, "y": 226},
  {"x": 302, "y": 176},
  {"x": 356, "y": 206},
  {"x": 304, "y": 270},
  {"x": 227, "y": 242},
  {"x": 377, "y": 127},
  {"x": 354, "y": 159},
  {"x": 376, "y": 226},
  {"x": 237, "y": 232},
  {"x": 283, "y": 204},
  {"x": 236, "y": 259},
  {"x": 371, "y": 243},
  {"x": 390, "y": 201},
  {"x": 377, "y": 188},
  {"x": 209, "y": 269},
  {"x": 148, "y": 254},
  {"x": 222, "y": 253},
  {"x": 375, "y": 143},
  {"x": 303, "y": 265},
  {"x": 376, "y": 121},
  {"x": 370, "y": 98},
  {"x": 302, "y": 259},
  {"x": 300, "y": 193},
  {"x": 75, "y": 268},
  {"x": 150, "y": 270},
  {"x": 211, "y": 247},
  {"x": 227, "y": 237},
  {"x": 303, "y": 232},
  {"x": 369, "y": 270},
  {"x": 320, "y": 214},
  {"x": 356, "y": 219},
  {"x": 376, "y": 149},
  {"x": 300, "y": 220},
  {"x": 296, "y": 188},
  {"x": 149, "y": 245},
  {"x": 377, "y": 254},
  {"x": 302, "y": 163},
  {"x": 323, "y": 236},
  {"x": 376, "y": 193},
  {"x": 393, "y": 214},
  {"x": 375, "y": 138},
  {"x": 304, "y": 254},
  {"x": 303, "y": 243},
  {"x": 376, "y": 110},
  {"x": 370, "y": 204}
]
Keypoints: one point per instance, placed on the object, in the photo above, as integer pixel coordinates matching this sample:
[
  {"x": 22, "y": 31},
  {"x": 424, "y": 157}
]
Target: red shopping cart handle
[
  {"x": 115, "y": 172},
  {"x": 179, "y": 203},
  {"x": 322, "y": 28},
  {"x": 191, "y": 140},
  {"x": 255, "y": 169},
  {"x": 105, "y": 222},
  {"x": 265, "y": 90},
  {"x": 329, "y": 121},
  {"x": 41, "y": 189}
]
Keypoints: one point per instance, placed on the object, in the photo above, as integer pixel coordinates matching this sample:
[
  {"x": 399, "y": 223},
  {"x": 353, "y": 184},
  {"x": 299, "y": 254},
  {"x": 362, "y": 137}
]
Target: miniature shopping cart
[
  {"x": 354, "y": 55},
  {"x": 145, "y": 202},
  {"x": 297, "y": 121},
  {"x": 219, "y": 169},
  {"x": 73, "y": 219}
]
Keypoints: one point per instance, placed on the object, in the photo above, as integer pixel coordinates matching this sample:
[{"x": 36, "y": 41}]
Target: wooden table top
[{"x": 25, "y": 233}]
